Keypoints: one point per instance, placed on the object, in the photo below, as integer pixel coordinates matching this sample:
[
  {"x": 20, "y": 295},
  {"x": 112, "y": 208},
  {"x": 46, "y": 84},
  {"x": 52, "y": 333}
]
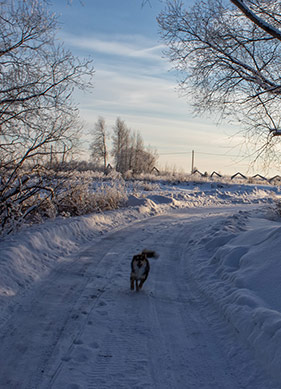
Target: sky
[{"x": 134, "y": 81}]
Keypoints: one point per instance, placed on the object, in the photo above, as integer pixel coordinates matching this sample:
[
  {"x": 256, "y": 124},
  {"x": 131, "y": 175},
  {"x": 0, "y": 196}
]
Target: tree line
[{"x": 127, "y": 151}]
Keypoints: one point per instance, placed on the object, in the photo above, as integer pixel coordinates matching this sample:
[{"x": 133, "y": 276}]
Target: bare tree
[
  {"x": 149, "y": 158},
  {"x": 138, "y": 154},
  {"x": 129, "y": 152},
  {"x": 37, "y": 78},
  {"x": 36, "y": 82},
  {"x": 229, "y": 60},
  {"x": 98, "y": 147},
  {"x": 121, "y": 146},
  {"x": 144, "y": 159}
]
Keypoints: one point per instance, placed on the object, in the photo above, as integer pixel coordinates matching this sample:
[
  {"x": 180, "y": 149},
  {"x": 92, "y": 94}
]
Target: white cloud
[
  {"x": 132, "y": 82},
  {"x": 117, "y": 45},
  {"x": 125, "y": 90},
  {"x": 150, "y": 104}
]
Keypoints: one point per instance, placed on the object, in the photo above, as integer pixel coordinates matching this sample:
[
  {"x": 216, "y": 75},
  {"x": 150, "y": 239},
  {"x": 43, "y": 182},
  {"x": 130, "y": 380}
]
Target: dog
[{"x": 140, "y": 268}]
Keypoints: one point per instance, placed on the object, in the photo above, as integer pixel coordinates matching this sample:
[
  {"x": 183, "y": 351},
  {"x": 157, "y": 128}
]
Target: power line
[
  {"x": 220, "y": 155},
  {"x": 199, "y": 152},
  {"x": 182, "y": 152}
]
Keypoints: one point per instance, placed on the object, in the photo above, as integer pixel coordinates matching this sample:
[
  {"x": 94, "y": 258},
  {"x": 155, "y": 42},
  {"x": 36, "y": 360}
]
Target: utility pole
[
  {"x": 63, "y": 154},
  {"x": 51, "y": 156},
  {"x": 192, "y": 161}
]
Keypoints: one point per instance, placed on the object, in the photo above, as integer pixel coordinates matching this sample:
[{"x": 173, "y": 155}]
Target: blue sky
[{"x": 133, "y": 81}]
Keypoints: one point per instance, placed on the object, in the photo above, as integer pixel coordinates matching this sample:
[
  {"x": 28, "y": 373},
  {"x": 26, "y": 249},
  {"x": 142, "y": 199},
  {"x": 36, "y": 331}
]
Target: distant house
[
  {"x": 275, "y": 179},
  {"x": 196, "y": 171},
  {"x": 155, "y": 170},
  {"x": 215, "y": 174},
  {"x": 108, "y": 169},
  {"x": 258, "y": 176},
  {"x": 238, "y": 175}
]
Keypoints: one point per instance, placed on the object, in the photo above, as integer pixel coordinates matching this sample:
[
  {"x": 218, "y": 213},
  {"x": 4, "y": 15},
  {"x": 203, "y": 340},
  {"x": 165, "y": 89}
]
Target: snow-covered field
[{"x": 209, "y": 315}]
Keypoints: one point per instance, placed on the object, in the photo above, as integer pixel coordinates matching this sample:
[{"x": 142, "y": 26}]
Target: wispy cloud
[
  {"x": 152, "y": 106},
  {"x": 129, "y": 46},
  {"x": 124, "y": 91},
  {"x": 132, "y": 82}
]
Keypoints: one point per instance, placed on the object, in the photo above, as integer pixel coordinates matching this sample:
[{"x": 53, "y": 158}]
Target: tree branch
[{"x": 274, "y": 32}]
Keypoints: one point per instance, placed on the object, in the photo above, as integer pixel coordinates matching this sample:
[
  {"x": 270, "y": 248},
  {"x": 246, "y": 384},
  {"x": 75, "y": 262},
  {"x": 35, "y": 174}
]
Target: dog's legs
[
  {"x": 137, "y": 286},
  {"x": 132, "y": 283},
  {"x": 141, "y": 284}
]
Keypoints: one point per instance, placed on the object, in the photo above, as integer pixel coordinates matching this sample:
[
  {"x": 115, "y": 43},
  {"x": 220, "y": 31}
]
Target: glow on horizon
[{"x": 132, "y": 81}]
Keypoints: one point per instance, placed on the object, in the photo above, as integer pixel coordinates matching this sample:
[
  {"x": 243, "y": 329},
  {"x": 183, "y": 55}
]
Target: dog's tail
[{"x": 150, "y": 253}]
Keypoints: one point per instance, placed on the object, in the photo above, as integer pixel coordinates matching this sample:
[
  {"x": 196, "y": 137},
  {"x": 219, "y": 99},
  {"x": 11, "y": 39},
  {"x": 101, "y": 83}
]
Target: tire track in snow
[
  {"x": 43, "y": 320},
  {"x": 84, "y": 328},
  {"x": 176, "y": 305},
  {"x": 206, "y": 351},
  {"x": 164, "y": 337}
]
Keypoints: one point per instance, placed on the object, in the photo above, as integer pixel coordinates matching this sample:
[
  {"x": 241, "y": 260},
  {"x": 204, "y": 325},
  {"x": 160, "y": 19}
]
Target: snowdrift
[
  {"x": 236, "y": 262},
  {"x": 238, "y": 266}
]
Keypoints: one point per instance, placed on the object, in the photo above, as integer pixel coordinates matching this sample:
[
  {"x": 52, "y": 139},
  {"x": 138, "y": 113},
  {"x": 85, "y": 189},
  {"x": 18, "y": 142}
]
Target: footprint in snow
[
  {"x": 78, "y": 341},
  {"x": 82, "y": 356},
  {"x": 94, "y": 345},
  {"x": 74, "y": 386}
]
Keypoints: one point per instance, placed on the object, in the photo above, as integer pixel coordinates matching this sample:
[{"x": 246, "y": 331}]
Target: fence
[{"x": 242, "y": 176}]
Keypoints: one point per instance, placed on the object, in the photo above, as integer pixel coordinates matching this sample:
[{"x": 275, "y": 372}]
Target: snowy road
[{"x": 82, "y": 327}]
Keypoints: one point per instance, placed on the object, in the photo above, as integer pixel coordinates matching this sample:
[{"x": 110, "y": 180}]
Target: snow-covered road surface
[{"x": 81, "y": 326}]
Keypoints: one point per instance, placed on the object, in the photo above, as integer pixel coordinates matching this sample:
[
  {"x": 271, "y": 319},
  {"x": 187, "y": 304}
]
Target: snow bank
[
  {"x": 239, "y": 269},
  {"x": 239, "y": 266},
  {"x": 29, "y": 255}
]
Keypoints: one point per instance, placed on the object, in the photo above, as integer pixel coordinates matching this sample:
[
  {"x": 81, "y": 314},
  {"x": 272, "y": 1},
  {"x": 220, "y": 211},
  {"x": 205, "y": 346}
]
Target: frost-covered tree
[
  {"x": 121, "y": 146},
  {"x": 38, "y": 121},
  {"x": 139, "y": 161},
  {"x": 36, "y": 83},
  {"x": 228, "y": 54},
  {"x": 129, "y": 152},
  {"x": 144, "y": 158},
  {"x": 98, "y": 147}
]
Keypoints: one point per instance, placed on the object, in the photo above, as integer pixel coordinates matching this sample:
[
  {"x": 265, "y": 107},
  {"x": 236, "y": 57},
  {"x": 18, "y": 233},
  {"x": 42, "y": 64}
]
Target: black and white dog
[{"x": 140, "y": 268}]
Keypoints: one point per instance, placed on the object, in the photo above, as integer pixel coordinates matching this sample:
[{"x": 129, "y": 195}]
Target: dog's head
[{"x": 140, "y": 259}]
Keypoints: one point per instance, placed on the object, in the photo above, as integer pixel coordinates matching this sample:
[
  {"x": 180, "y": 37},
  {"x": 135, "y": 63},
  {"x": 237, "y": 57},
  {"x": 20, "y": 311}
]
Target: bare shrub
[
  {"x": 24, "y": 196},
  {"x": 79, "y": 199},
  {"x": 109, "y": 197},
  {"x": 146, "y": 186},
  {"x": 46, "y": 194}
]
